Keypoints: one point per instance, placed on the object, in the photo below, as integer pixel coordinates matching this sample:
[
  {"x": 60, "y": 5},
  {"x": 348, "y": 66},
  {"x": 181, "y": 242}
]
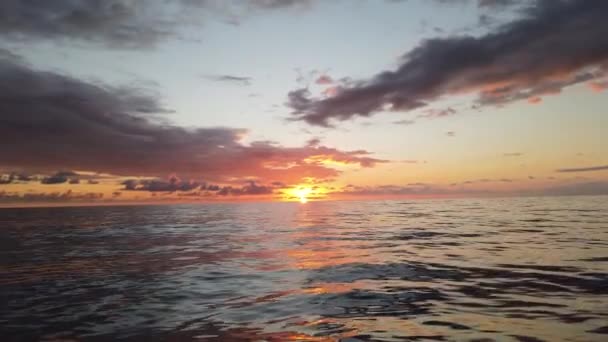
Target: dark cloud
[
  {"x": 54, "y": 180},
  {"x": 156, "y": 185},
  {"x": 130, "y": 184},
  {"x": 52, "y": 121},
  {"x": 313, "y": 142},
  {"x": 251, "y": 189},
  {"x": 584, "y": 169},
  {"x": 60, "y": 177},
  {"x": 112, "y": 22},
  {"x": 192, "y": 188},
  {"x": 119, "y": 23},
  {"x": 6, "y": 179},
  {"x": 497, "y": 3},
  {"x": 513, "y": 154},
  {"x": 485, "y": 20},
  {"x": 15, "y": 177},
  {"x": 482, "y": 4},
  {"x": 450, "y": 134},
  {"x": 48, "y": 197},
  {"x": 554, "y": 44},
  {"x": 240, "y": 80}
]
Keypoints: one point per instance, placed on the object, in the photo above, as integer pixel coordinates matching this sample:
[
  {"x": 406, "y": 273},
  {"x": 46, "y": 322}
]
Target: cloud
[
  {"x": 251, "y": 189},
  {"x": 584, "y": 169},
  {"x": 313, "y": 142},
  {"x": 54, "y": 122},
  {"x": 59, "y": 177},
  {"x": 404, "y": 122},
  {"x": 580, "y": 189},
  {"x": 512, "y": 154},
  {"x": 324, "y": 79},
  {"x": 552, "y": 45},
  {"x": 450, "y": 134},
  {"x": 194, "y": 189},
  {"x": 484, "y": 4},
  {"x": 599, "y": 86},
  {"x": 119, "y": 23},
  {"x": 240, "y": 80},
  {"x": 276, "y": 4},
  {"x": 45, "y": 197},
  {"x": 496, "y": 3},
  {"x": 112, "y": 22},
  {"x": 388, "y": 190},
  {"x": 439, "y": 190},
  {"x": 410, "y": 190},
  {"x": 157, "y": 185},
  {"x": 437, "y": 113},
  {"x": 15, "y": 177},
  {"x": 485, "y": 180}
]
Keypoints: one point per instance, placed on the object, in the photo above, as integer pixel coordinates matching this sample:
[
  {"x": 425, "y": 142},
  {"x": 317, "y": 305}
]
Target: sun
[{"x": 302, "y": 194}]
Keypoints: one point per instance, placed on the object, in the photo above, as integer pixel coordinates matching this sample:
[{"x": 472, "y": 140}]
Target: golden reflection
[{"x": 323, "y": 288}]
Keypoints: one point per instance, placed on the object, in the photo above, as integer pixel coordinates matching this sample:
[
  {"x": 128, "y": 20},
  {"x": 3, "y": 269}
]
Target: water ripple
[{"x": 529, "y": 269}]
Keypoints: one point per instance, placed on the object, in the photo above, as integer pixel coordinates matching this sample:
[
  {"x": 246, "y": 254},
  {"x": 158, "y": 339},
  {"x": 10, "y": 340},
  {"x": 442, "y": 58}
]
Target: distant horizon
[{"x": 27, "y": 205}]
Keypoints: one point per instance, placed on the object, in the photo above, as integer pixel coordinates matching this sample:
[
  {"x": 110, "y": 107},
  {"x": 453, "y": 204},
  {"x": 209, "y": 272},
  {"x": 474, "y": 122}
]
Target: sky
[{"x": 123, "y": 101}]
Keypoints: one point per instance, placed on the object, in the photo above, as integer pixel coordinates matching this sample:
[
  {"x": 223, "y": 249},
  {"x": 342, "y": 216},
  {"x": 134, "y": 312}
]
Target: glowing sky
[{"x": 196, "y": 100}]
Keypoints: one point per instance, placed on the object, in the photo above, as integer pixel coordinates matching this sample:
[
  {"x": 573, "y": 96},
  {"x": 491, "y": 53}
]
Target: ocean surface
[{"x": 518, "y": 269}]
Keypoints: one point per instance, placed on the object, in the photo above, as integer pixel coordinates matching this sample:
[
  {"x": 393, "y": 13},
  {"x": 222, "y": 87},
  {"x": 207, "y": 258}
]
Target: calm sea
[{"x": 526, "y": 269}]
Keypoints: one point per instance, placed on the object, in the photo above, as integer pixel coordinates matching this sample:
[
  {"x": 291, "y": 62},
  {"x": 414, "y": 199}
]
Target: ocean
[{"x": 500, "y": 269}]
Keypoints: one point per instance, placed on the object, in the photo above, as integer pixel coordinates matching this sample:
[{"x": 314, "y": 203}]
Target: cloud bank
[
  {"x": 553, "y": 45},
  {"x": 584, "y": 169},
  {"x": 118, "y": 23},
  {"x": 55, "y": 122}
]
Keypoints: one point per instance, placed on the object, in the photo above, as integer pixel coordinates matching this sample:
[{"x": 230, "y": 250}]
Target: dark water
[{"x": 530, "y": 269}]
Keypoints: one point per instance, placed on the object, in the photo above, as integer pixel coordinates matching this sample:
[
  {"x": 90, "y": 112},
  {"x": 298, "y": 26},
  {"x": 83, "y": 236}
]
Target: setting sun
[{"x": 302, "y": 194}]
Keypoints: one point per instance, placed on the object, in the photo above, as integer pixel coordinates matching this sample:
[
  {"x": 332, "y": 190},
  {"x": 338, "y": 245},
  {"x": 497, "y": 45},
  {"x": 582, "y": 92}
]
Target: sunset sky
[{"x": 118, "y": 101}]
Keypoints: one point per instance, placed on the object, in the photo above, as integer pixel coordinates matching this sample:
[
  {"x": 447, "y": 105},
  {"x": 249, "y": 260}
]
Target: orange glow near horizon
[{"x": 304, "y": 193}]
